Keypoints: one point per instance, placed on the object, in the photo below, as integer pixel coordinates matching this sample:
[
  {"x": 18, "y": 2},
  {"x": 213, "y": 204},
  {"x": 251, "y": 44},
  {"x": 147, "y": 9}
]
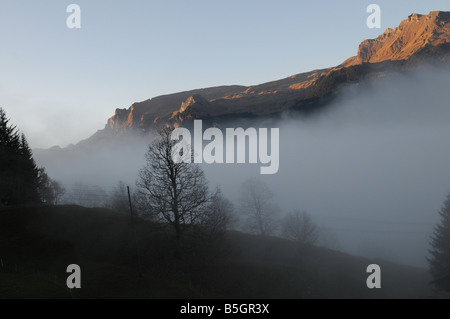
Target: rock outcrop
[{"x": 412, "y": 35}]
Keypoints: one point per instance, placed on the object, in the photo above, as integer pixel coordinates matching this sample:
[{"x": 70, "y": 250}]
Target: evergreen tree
[
  {"x": 9, "y": 143},
  {"x": 440, "y": 253},
  {"x": 29, "y": 172},
  {"x": 18, "y": 172}
]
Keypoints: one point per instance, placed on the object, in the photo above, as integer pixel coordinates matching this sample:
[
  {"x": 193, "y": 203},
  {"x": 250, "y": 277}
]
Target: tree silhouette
[
  {"x": 219, "y": 217},
  {"x": 440, "y": 252},
  {"x": 298, "y": 226},
  {"x": 256, "y": 203},
  {"x": 50, "y": 191},
  {"x": 19, "y": 181},
  {"x": 169, "y": 192},
  {"x": 29, "y": 173}
]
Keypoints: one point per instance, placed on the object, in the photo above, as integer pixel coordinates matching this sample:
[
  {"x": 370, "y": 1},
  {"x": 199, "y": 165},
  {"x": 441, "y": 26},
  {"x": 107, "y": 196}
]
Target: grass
[{"x": 38, "y": 243}]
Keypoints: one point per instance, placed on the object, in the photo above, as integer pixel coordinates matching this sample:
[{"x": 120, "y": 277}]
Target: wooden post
[
  {"x": 129, "y": 201},
  {"x": 135, "y": 234}
]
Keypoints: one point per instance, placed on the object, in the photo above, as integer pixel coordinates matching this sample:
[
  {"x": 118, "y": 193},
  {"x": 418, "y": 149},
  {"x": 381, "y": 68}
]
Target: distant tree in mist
[
  {"x": 50, "y": 191},
  {"x": 169, "y": 192},
  {"x": 298, "y": 226},
  {"x": 18, "y": 171},
  {"x": 256, "y": 203},
  {"x": 219, "y": 216},
  {"x": 440, "y": 252}
]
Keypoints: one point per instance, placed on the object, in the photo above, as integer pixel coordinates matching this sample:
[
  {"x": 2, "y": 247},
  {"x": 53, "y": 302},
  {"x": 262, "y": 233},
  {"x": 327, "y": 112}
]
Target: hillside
[{"x": 37, "y": 244}]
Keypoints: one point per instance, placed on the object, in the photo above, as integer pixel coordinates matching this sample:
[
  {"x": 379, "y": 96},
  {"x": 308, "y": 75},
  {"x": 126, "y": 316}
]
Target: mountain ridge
[
  {"x": 417, "y": 39},
  {"x": 394, "y": 46}
]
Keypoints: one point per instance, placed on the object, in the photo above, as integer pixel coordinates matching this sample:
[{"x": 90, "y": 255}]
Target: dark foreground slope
[{"x": 38, "y": 243}]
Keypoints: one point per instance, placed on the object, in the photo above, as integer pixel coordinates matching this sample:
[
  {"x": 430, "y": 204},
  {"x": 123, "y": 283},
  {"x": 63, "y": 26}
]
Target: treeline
[
  {"x": 174, "y": 194},
  {"x": 21, "y": 181},
  {"x": 177, "y": 194}
]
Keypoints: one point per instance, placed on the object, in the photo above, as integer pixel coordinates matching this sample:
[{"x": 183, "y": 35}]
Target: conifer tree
[
  {"x": 29, "y": 172},
  {"x": 18, "y": 172},
  {"x": 440, "y": 253}
]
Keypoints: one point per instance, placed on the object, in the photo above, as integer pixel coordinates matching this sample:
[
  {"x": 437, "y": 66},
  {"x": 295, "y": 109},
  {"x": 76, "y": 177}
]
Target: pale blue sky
[{"x": 61, "y": 85}]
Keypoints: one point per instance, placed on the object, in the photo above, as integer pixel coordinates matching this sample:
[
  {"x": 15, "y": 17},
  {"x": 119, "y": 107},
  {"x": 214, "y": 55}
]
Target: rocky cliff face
[
  {"x": 142, "y": 115},
  {"x": 413, "y": 34},
  {"x": 415, "y": 39}
]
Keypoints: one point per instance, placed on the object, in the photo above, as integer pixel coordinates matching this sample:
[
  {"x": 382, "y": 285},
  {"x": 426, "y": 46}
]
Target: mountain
[
  {"x": 418, "y": 38},
  {"x": 418, "y": 41},
  {"x": 412, "y": 35}
]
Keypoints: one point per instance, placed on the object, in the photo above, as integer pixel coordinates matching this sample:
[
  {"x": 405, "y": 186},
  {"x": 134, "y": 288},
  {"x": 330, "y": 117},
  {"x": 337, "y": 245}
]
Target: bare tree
[
  {"x": 169, "y": 192},
  {"x": 256, "y": 204},
  {"x": 298, "y": 226},
  {"x": 219, "y": 216}
]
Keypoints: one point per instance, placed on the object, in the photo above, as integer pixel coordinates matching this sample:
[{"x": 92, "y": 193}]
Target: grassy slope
[{"x": 38, "y": 243}]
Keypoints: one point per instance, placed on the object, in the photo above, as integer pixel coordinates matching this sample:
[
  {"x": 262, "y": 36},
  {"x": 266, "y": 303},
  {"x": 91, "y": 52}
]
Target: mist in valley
[{"x": 372, "y": 169}]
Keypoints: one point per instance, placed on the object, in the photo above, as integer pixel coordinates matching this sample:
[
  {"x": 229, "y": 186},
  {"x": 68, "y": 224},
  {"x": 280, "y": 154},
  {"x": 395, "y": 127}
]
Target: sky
[{"x": 60, "y": 85}]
